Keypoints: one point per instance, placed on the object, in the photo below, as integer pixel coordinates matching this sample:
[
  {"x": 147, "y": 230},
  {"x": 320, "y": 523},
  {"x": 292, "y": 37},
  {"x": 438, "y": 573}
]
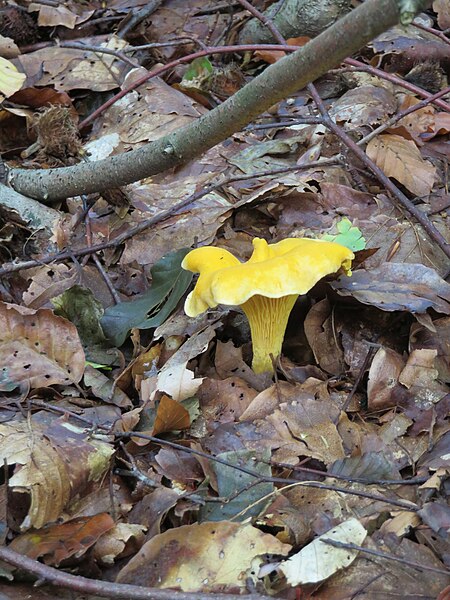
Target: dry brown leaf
[
  {"x": 120, "y": 541},
  {"x": 178, "y": 381},
  {"x": 8, "y": 48},
  {"x": 53, "y": 465},
  {"x": 170, "y": 416},
  {"x": 422, "y": 337},
  {"x": 401, "y": 159},
  {"x": 179, "y": 466},
  {"x": 364, "y": 105},
  {"x": 321, "y": 334},
  {"x": 67, "y": 15},
  {"x": 303, "y": 427},
  {"x": 387, "y": 579},
  {"x": 224, "y": 400},
  {"x": 383, "y": 389},
  {"x": 416, "y": 123},
  {"x": 59, "y": 542},
  {"x": 102, "y": 387},
  {"x": 47, "y": 282},
  {"x": 442, "y": 8},
  {"x": 214, "y": 557},
  {"x": 441, "y": 125},
  {"x": 37, "y": 348}
]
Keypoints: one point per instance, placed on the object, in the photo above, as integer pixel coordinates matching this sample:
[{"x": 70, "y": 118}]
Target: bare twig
[
  {"x": 396, "y": 81},
  {"x": 138, "y": 17},
  {"x": 440, "y": 34},
  {"x": 400, "y": 197},
  {"x": 99, "y": 50},
  {"x": 143, "y": 225},
  {"x": 423, "y": 219},
  {"x": 401, "y": 114},
  {"x": 403, "y": 561},
  {"x": 282, "y": 480},
  {"x": 258, "y": 477}
]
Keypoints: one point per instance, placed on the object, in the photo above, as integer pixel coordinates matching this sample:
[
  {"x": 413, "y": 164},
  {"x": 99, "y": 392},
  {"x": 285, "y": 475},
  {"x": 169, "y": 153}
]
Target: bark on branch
[{"x": 278, "y": 81}]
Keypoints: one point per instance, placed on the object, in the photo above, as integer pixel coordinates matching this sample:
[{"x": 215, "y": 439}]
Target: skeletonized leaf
[
  {"x": 401, "y": 159},
  {"x": 318, "y": 561}
]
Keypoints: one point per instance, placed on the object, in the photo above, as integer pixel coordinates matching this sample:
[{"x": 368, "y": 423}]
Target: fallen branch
[
  {"x": 33, "y": 215},
  {"x": 277, "y": 82}
]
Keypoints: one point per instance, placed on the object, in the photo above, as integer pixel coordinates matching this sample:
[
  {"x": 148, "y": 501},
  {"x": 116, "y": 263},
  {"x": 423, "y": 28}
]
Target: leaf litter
[{"x": 138, "y": 444}]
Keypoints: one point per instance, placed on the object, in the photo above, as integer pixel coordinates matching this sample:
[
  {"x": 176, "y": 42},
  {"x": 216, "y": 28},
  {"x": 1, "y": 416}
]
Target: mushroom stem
[{"x": 268, "y": 319}]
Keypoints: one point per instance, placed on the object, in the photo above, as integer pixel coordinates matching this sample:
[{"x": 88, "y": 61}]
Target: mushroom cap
[{"x": 292, "y": 266}]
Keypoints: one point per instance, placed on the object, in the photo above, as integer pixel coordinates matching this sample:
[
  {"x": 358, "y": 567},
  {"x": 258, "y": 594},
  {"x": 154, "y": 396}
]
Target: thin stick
[{"x": 403, "y": 561}]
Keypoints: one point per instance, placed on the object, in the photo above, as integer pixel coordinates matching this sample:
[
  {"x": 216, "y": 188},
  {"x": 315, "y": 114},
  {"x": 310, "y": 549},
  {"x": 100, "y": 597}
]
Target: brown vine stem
[
  {"x": 246, "y": 48},
  {"x": 107, "y": 589},
  {"x": 175, "y": 63},
  {"x": 401, "y": 114},
  {"x": 440, "y": 34}
]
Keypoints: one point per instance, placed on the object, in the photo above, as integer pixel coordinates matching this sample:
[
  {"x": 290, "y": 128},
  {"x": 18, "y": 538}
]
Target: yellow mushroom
[{"x": 265, "y": 287}]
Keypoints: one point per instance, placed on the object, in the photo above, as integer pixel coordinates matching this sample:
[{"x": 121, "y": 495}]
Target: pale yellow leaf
[
  {"x": 209, "y": 557},
  {"x": 11, "y": 80},
  {"x": 318, "y": 561}
]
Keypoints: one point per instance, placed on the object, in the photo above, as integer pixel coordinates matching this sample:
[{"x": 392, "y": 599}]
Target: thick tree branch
[{"x": 278, "y": 81}]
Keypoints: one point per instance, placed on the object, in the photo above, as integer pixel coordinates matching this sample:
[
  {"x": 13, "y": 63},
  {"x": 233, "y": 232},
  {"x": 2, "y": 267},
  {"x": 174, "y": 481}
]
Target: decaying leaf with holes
[
  {"x": 37, "y": 349},
  {"x": 211, "y": 557},
  {"x": 54, "y": 465}
]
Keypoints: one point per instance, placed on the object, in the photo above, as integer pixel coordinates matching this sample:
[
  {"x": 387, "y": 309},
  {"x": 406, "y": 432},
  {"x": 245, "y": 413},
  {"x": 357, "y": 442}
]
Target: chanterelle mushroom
[{"x": 265, "y": 287}]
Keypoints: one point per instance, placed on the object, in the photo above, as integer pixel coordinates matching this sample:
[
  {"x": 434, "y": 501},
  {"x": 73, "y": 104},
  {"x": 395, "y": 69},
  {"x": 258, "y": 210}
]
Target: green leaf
[
  {"x": 348, "y": 236},
  {"x": 79, "y": 305},
  {"x": 151, "y": 309},
  {"x": 95, "y": 365},
  {"x": 252, "y": 500},
  {"x": 198, "y": 75},
  {"x": 199, "y": 68}
]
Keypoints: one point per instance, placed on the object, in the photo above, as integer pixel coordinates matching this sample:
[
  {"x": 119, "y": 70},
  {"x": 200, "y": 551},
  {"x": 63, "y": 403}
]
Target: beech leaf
[
  {"x": 397, "y": 286},
  {"x": 216, "y": 557},
  {"x": 401, "y": 159},
  {"x": 37, "y": 348}
]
